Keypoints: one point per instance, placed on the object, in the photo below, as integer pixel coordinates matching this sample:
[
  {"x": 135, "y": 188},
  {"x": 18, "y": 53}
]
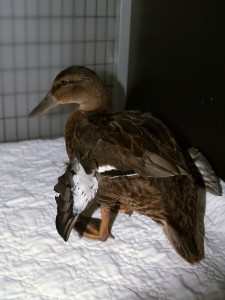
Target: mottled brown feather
[{"x": 145, "y": 151}]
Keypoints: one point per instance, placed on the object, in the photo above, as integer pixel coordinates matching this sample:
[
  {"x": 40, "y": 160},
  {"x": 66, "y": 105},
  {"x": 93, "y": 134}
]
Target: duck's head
[{"x": 78, "y": 85}]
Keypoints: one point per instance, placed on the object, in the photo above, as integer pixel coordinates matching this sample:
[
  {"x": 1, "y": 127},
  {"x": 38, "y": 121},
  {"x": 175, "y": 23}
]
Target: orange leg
[{"x": 89, "y": 230}]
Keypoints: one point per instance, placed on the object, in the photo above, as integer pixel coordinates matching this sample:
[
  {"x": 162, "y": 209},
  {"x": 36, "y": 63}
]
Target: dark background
[{"x": 177, "y": 70}]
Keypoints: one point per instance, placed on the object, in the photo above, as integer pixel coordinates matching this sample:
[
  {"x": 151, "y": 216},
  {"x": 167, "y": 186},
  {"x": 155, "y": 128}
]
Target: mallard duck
[{"x": 127, "y": 161}]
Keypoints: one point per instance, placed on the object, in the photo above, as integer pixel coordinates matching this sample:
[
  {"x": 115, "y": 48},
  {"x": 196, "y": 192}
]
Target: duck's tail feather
[
  {"x": 191, "y": 248},
  {"x": 203, "y": 172}
]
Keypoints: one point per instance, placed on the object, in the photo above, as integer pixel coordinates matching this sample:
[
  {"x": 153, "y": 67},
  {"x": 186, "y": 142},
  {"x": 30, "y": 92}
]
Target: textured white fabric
[{"x": 35, "y": 262}]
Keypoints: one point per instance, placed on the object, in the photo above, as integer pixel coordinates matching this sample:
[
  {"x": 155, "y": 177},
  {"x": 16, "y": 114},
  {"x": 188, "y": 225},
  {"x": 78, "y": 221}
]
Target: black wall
[{"x": 177, "y": 70}]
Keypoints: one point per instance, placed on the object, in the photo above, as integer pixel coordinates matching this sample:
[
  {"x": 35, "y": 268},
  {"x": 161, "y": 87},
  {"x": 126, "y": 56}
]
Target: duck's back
[{"x": 128, "y": 140}]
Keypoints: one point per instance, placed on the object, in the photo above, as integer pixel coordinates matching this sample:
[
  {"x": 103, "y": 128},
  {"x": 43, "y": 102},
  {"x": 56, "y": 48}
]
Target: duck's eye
[{"x": 63, "y": 82}]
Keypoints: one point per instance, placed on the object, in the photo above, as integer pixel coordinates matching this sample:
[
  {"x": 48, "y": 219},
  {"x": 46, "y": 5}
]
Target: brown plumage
[{"x": 150, "y": 174}]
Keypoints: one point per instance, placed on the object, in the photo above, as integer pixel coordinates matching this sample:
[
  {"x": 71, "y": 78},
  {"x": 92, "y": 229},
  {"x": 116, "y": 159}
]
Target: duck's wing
[{"x": 129, "y": 141}]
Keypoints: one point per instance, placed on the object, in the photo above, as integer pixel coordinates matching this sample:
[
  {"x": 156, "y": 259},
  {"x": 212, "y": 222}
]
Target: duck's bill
[{"x": 43, "y": 106}]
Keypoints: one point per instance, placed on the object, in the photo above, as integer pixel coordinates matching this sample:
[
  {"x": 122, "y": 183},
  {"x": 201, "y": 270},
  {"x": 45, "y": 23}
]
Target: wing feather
[{"x": 130, "y": 141}]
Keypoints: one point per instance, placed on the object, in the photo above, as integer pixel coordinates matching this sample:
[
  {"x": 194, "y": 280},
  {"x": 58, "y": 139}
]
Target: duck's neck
[
  {"x": 69, "y": 131},
  {"x": 93, "y": 100},
  {"x": 92, "y": 106},
  {"x": 71, "y": 125}
]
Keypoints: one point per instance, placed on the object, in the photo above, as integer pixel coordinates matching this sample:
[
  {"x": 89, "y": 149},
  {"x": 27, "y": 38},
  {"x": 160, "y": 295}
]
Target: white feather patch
[
  {"x": 85, "y": 188},
  {"x": 105, "y": 168},
  {"x": 117, "y": 173}
]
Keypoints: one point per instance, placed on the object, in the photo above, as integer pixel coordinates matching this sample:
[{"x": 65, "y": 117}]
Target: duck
[{"x": 124, "y": 161}]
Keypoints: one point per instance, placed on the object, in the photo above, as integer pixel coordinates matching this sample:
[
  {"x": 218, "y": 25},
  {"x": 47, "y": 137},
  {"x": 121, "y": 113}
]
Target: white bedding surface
[{"x": 35, "y": 262}]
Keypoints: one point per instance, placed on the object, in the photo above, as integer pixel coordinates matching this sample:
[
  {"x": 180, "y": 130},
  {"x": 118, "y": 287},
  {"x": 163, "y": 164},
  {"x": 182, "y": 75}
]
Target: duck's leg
[{"x": 90, "y": 229}]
